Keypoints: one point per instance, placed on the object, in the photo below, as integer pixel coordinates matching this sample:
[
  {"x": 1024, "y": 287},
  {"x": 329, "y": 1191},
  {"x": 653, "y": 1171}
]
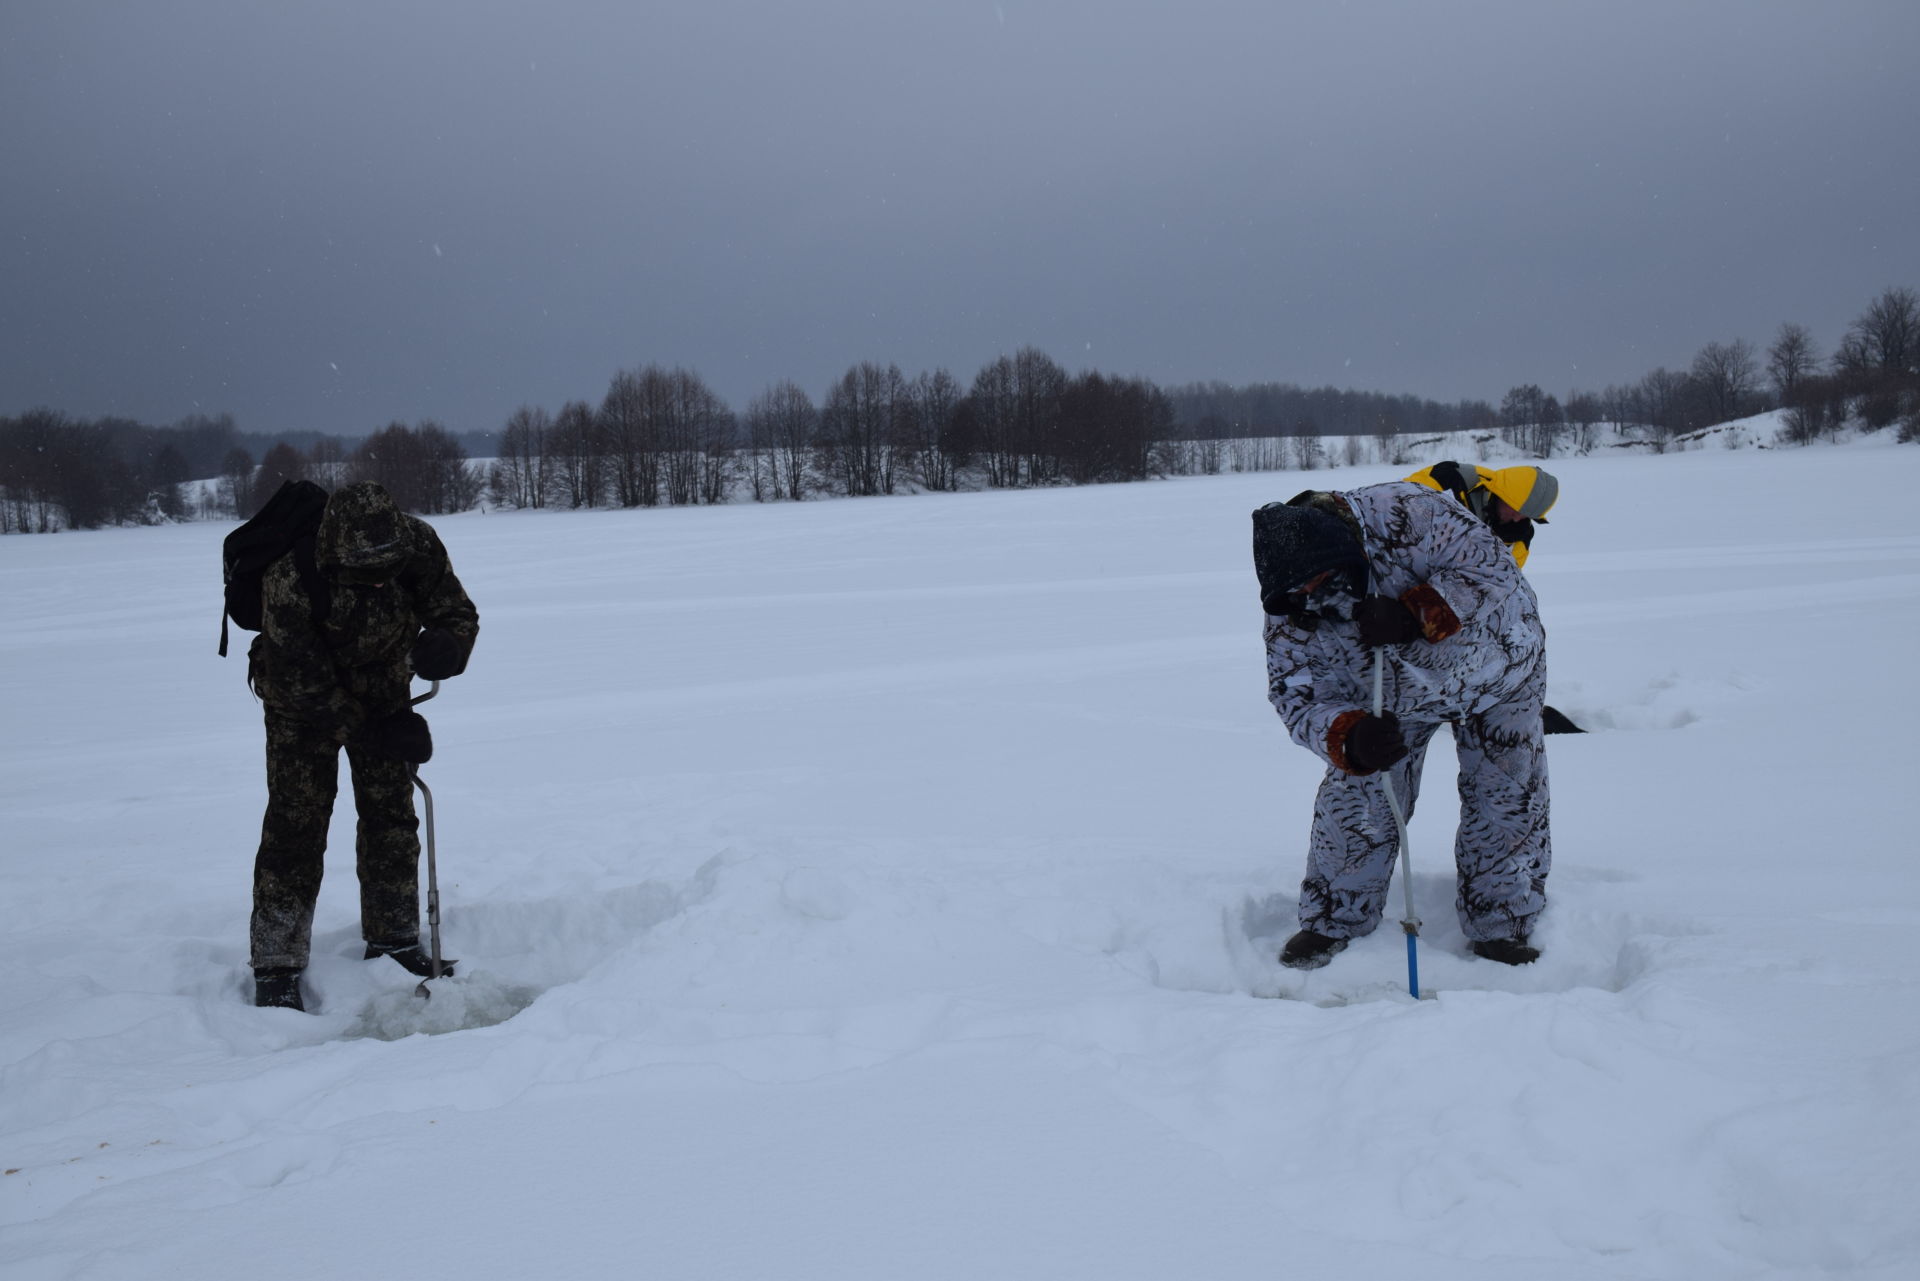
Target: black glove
[
  {"x": 436, "y": 655},
  {"x": 402, "y": 736},
  {"x": 1374, "y": 743},
  {"x": 1385, "y": 621},
  {"x": 1513, "y": 531}
]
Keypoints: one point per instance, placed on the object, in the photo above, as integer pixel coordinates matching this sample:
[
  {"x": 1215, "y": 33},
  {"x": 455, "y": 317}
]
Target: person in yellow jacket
[{"x": 1510, "y": 500}]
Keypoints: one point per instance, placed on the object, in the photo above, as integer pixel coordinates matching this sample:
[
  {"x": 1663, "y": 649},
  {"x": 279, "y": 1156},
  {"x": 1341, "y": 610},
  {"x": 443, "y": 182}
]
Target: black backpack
[{"x": 287, "y": 523}]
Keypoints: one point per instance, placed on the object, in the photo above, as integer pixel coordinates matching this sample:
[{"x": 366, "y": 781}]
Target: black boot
[
  {"x": 1507, "y": 951},
  {"x": 1555, "y": 721},
  {"x": 277, "y": 988},
  {"x": 1309, "y": 951},
  {"x": 411, "y": 958}
]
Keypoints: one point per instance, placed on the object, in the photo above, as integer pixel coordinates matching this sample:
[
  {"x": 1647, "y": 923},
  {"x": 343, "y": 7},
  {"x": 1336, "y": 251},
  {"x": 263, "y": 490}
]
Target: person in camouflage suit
[
  {"x": 1401, "y": 571},
  {"x": 339, "y": 645}
]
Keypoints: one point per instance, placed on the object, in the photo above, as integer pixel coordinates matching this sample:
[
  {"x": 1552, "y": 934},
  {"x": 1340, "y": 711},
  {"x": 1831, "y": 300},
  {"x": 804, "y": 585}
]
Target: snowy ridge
[{"x": 891, "y": 890}]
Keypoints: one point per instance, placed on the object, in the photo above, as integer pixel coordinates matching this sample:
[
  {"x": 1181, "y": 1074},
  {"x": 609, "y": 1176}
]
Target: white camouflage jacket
[{"x": 1480, "y": 621}]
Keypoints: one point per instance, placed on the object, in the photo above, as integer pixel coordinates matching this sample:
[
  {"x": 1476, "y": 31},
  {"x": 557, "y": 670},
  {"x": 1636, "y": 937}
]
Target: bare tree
[
  {"x": 576, "y": 475},
  {"x": 670, "y": 400},
  {"x": 281, "y": 464},
  {"x": 327, "y": 463},
  {"x": 694, "y": 432},
  {"x": 1014, "y": 420},
  {"x": 1620, "y": 405},
  {"x": 781, "y": 424},
  {"x": 520, "y": 475},
  {"x": 1524, "y": 420},
  {"x": 1724, "y": 375},
  {"x": 1308, "y": 454},
  {"x": 32, "y": 457},
  {"x": 1879, "y": 359},
  {"x": 1108, "y": 427},
  {"x": 713, "y": 432},
  {"x": 1791, "y": 360},
  {"x": 205, "y": 441},
  {"x": 1546, "y": 432},
  {"x": 236, "y": 482},
  {"x": 1038, "y": 388},
  {"x": 169, "y": 476},
  {"x": 1662, "y": 397},
  {"x": 927, "y": 429},
  {"x": 858, "y": 427},
  {"x": 424, "y": 468},
  {"x": 1267, "y": 453},
  {"x": 389, "y": 458},
  {"x": 449, "y": 484},
  {"x": 1852, "y": 358},
  {"x": 761, "y": 467},
  {"x": 631, "y": 417},
  {"x": 991, "y": 421},
  {"x": 1806, "y": 411},
  {"x": 1887, "y": 334},
  {"x": 1584, "y": 413}
]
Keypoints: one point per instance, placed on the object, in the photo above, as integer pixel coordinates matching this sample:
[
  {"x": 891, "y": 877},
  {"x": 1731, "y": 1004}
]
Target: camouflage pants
[
  {"x": 1502, "y": 851},
  {"x": 303, "y": 770}
]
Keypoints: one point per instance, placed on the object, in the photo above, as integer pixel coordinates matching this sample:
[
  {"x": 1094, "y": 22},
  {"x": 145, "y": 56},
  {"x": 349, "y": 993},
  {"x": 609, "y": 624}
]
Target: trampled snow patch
[{"x": 451, "y": 1004}]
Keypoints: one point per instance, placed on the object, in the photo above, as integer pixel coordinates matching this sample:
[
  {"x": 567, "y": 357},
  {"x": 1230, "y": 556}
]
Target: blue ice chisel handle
[
  {"x": 1410, "y": 923},
  {"x": 1413, "y": 964}
]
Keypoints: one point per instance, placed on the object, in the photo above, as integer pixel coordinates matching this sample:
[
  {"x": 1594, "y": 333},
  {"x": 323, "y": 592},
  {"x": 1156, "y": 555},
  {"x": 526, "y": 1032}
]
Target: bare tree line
[
  {"x": 661, "y": 436},
  {"x": 1217, "y": 411},
  {"x": 1873, "y": 375},
  {"x": 59, "y": 474}
]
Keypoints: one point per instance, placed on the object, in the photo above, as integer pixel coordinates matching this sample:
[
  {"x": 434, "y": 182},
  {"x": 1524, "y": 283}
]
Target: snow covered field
[{"x": 887, "y": 889}]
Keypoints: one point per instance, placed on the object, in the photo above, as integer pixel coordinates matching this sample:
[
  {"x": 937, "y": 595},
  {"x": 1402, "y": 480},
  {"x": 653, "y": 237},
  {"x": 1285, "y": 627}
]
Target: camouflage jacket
[
  {"x": 387, "y": 577},
  {"x": 1481, "y": 637}
]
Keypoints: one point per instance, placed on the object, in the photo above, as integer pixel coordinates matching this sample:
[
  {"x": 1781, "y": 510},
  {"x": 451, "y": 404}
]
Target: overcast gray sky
[{"x": 331, "y": 216}]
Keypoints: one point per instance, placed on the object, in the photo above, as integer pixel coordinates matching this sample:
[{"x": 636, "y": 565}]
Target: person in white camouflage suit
[{"x": 1402, "y": 570}]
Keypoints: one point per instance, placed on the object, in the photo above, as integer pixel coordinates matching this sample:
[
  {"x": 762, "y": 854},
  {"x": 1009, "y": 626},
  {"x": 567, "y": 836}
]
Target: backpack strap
[
  {"x": 319, "y": 595},
  {"x": 1451, "y": 478}
]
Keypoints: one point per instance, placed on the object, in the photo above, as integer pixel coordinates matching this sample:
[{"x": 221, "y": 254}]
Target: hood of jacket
[
  {"x": 1528, "y": 490},
  {"x": 363, "y": 532}
]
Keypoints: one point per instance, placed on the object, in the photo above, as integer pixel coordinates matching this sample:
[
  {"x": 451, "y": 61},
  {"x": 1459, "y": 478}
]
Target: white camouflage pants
[{"x": 1502, "y": 851}]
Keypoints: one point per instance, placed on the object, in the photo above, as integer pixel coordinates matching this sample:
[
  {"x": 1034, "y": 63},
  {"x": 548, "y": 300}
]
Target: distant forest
[{"x": 661, "y": 436}]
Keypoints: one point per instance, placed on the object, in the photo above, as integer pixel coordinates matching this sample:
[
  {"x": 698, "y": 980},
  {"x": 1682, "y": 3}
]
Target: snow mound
[{"x": 452, "y": 1005}]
